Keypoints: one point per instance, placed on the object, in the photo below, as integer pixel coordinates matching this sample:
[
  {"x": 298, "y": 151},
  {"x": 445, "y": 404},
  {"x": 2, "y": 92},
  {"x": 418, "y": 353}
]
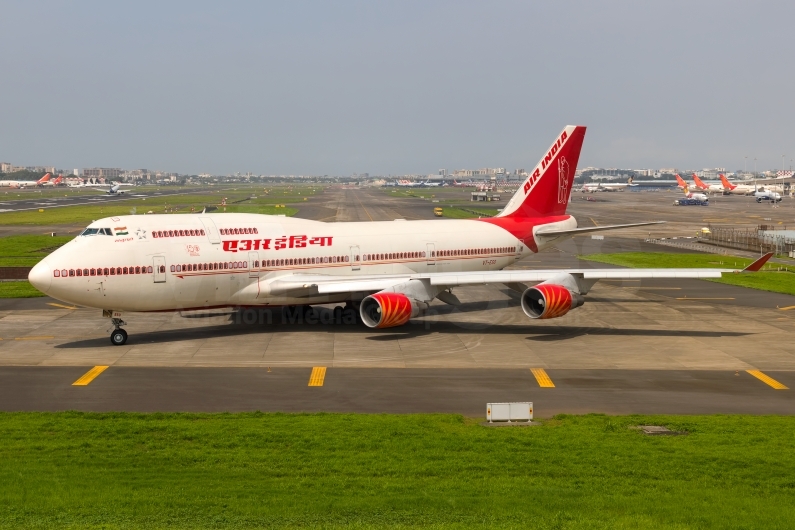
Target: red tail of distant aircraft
[
  {"x": 681, "y": 183},
  {"x": 699, "y": 184},
  {"x": 726, "y": 184},
  {"x": 43, "y": 179}
]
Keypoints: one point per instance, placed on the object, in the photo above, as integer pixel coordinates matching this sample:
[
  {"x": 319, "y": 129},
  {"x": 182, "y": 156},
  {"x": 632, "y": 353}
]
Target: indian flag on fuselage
[{"x": 120, "y": 230}]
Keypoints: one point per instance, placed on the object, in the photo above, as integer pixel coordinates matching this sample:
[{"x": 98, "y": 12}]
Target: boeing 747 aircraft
[{"x": 389, "y": 271}]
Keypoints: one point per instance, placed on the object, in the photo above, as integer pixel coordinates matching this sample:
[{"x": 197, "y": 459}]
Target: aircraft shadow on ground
[{"x": 415, "y": 329}]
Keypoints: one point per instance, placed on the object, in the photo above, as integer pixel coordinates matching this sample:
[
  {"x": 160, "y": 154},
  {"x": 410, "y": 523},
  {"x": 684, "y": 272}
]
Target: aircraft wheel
[{"x": 118, "y": 337}]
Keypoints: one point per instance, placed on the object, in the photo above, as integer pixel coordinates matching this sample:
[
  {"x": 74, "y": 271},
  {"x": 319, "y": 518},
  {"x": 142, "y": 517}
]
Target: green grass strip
[
  {"x": 457, "y": 213},
  {"x": 769, "y": 279},
  {"x": 75, "y": 470},
  {"x": 237, "y": 200},
  {"x": 20, "y": 289},
  {"x": 26, "y": 251}
]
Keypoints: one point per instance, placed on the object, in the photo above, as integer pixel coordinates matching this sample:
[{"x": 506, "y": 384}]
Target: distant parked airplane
[{"x": 24, "y": 183}]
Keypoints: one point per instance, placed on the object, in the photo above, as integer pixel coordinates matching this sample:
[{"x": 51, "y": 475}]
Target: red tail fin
[
  {"x": 43, "y": 179},
  {"x": 726, "y": 183},
  {"x": 699, "y": 183},
  {"x": 682, "y": 183},
  {"x": 546, "y": 191}
]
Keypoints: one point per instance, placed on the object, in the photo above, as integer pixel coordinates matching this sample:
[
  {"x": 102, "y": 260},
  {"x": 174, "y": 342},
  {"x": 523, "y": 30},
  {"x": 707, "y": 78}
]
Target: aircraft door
[
  {"x": 159, "y": 267},
  {"x": 430, "y": 255},
  {"x": 356, "y": 261},
  {"x": 211, "y": 230},
  {"x": 253, "y": 264}
]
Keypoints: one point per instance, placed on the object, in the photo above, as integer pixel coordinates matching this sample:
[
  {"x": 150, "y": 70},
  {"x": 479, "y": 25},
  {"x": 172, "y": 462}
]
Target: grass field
[
  {"x": 26, "y": 251},
  {"x": 457, "y": 213},
  {"x": 73, "y": 470},
  {"x": 769, "y": 279},
  {"x": 20, "y": 289},
  {"x": 248, "y": 199}
]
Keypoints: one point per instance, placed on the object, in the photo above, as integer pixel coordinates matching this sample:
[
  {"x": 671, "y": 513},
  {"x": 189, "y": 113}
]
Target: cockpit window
[{"x": 96, "y": 231}]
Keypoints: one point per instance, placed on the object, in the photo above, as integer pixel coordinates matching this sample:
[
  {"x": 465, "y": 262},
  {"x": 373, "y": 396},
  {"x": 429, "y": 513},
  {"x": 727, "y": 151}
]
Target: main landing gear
[{"x": 119, "y": 336}]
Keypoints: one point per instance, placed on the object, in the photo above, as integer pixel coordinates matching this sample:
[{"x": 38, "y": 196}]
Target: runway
[
  {"x": 635, "y": 347},
  {"x": 87, "y": 196}
]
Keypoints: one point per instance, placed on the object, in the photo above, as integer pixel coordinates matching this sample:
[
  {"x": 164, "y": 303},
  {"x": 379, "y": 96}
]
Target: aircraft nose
[{"x": 40, "y": 276}]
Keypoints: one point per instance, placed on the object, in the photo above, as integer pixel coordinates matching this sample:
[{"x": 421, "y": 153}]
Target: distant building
[
  {"x": 443, "y": 172},
  {"x": 5, "y": 167},
  {"x": 479, "y": 172},
  {"x": 41, "y": 169},
  {"x": 102, "y": 172},
  {"x": 711, "y": 173}
]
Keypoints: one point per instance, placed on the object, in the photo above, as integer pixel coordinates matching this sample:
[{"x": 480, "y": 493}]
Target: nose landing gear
[{"x": 119, "y": 336}]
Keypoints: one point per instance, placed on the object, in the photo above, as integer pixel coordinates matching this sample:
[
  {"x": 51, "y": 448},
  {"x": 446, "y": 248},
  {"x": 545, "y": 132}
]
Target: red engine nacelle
[
  {"x": 547, "y": 300},
  {"x": 387, "y": 310}
]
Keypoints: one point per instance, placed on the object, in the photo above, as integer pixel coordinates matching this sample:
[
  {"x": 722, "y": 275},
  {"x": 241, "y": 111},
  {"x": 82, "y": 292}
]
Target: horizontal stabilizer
[{"x": 577, "y": 231}]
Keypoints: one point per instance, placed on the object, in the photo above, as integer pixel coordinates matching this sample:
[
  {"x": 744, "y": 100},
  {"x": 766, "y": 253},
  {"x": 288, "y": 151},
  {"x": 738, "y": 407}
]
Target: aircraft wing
[
  {"x": 576, "y": 231},
  {"x": 314, "y": 284}
]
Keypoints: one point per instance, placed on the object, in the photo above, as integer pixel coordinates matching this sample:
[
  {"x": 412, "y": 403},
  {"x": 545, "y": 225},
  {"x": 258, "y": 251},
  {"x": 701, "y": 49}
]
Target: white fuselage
[
  {"x": 218, "y": 260},
  {"x": 711, "y": 187},
  {"x": 16, "y": 183},
  {"x": 697, "y": 196}
]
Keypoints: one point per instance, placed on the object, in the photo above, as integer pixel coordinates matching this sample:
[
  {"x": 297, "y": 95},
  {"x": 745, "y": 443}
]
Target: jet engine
[
  {"x": 548, "y": 300},
  {"x": 387, "y": 310}
]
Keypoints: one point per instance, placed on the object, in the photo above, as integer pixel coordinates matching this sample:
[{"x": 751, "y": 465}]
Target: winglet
[{"x": 758, "y": 264}]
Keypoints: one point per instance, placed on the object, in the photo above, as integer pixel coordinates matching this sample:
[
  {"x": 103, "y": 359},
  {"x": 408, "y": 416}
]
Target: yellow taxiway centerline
[
  {"x": 786, "y": 308},
  {"x": 90, "y": 376},
  {"x": 767, "y": 379},
  {"x": 543, "y": 378},
  {"x": 60, "y": 305},
  {"x": 45, "y": 337},
  {"x": 318, "y": 376}
]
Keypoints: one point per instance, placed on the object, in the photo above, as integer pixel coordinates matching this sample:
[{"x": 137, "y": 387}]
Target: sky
[{"x": 394, "y": 87}]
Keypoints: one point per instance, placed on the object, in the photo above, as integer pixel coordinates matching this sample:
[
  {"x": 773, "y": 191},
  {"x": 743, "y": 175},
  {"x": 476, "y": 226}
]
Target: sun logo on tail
[{"x": 563, "y": 180}]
